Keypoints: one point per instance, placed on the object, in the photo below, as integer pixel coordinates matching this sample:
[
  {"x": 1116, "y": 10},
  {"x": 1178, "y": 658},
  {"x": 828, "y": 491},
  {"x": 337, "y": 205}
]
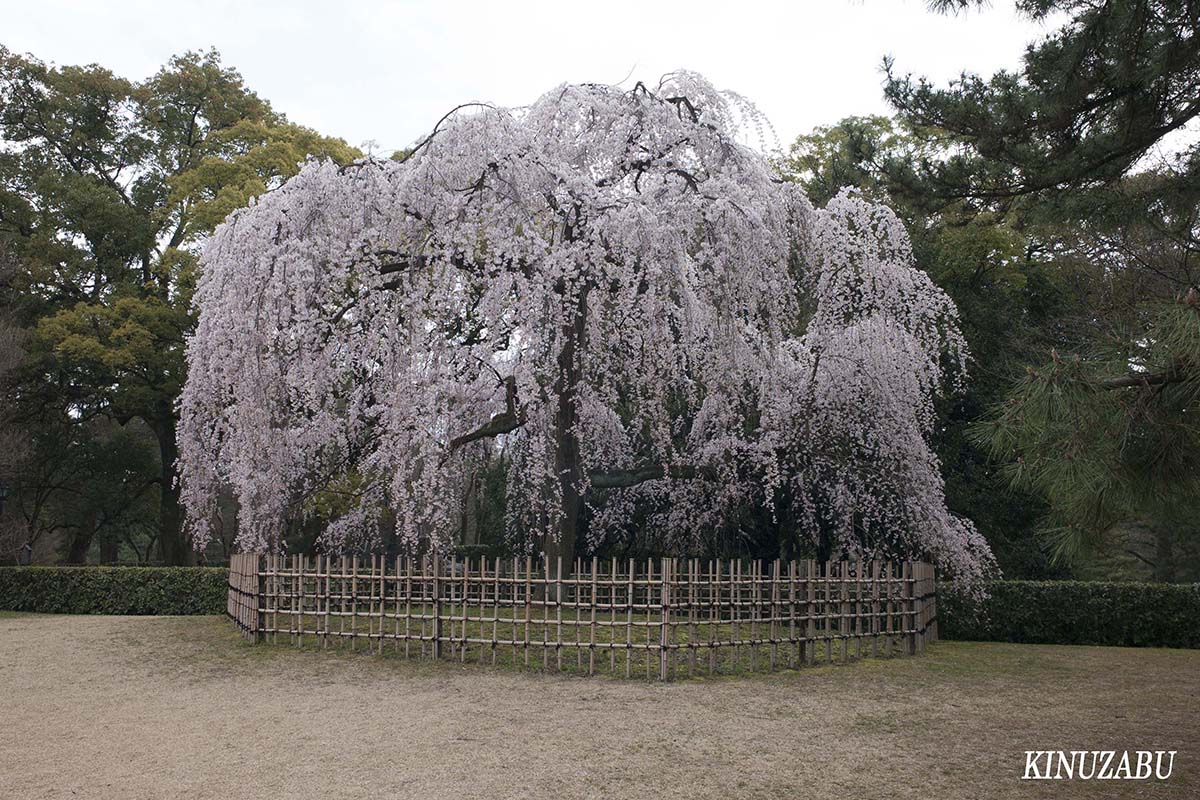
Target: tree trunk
[
  {"x": 1164, "y": 553},
  {"x": 109, "y": 549},
  {"x": 173, "y": 547},
  {"x": 81, "y": 540},
  {"x": 566, "y": 458},
  {"x": 824, "y": 546}
]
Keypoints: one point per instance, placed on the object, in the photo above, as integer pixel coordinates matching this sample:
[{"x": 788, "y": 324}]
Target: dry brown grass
[{"x": 124, "y": 707}]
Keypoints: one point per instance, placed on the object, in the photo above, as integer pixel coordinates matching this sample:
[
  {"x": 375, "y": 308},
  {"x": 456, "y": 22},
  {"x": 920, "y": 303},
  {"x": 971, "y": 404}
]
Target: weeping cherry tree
[{"x": 609, "y": 290}]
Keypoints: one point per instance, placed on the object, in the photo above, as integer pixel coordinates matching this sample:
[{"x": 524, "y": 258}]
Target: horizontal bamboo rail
[{"x": 663, "y": 617}]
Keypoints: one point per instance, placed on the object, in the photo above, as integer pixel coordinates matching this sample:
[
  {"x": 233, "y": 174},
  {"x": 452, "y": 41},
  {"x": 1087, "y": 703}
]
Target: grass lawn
[{"x": 182, "y": 707}]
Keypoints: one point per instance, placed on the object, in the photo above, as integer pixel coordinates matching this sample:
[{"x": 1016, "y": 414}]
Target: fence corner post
[
  {"x": 257, "y": 582},
  {"x": 933, "y": 600}
]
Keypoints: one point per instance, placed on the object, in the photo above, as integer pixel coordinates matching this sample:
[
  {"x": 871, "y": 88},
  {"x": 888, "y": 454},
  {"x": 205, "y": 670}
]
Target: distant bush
[
  {"x": 1078, "y": 612},
  {"x": 114, "y": 590}
]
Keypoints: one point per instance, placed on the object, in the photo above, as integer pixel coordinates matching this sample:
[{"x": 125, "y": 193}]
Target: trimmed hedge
[
  {"x": 114, "y": 590},
  {"x": 1033, "y": 612},
  {"x": 1078, "y": 612}
]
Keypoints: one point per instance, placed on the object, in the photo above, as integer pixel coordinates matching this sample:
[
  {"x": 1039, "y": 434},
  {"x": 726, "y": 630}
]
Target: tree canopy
[
  {"x": 607, "y": 290},
  {"x": 107, "y": 187},
  {"x": 1085, "y": 150}
]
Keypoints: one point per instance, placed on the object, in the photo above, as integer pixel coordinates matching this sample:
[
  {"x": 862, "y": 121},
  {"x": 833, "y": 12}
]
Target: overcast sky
[{"x": 386, "y": 71}]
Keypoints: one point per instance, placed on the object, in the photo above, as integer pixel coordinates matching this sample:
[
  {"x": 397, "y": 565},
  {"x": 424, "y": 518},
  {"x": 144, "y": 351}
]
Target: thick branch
[
  {"x": 402, "y": 263},
  {"x": 1144, "y": 379},
  {"x": 622, "y": 478},
  {"x": 506, "y": 421}
]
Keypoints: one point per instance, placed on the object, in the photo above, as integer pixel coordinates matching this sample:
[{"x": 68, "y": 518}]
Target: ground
[{"x": 178, "y": 707}]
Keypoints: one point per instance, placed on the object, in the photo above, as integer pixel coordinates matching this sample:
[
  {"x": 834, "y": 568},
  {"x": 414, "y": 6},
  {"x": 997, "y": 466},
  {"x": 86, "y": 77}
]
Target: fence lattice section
[{"x": 660, "y": 617}]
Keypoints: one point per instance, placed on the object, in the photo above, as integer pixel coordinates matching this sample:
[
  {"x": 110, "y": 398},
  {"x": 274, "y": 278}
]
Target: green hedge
[
  {"x": 114, "y": 590},
  {"x": 1035, "y": 612},
  {"x": 1078, "y": 612}
]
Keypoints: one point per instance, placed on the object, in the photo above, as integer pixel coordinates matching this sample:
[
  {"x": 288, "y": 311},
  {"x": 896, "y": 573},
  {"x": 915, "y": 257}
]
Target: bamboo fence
[{"x": 661, "y": 617}]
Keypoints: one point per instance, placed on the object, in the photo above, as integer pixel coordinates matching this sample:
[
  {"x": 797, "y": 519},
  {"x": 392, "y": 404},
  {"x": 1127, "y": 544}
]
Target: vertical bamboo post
[
  {"x": 399, "y": 615},
  {"x": 322, "y": 605},
  {"x": 513, "y": 590},
  {"x": 629, "y": 622},
  {"x": 454, "y": 586},
  {"x": 648, "y": 595},
  {"x": 341, "y": 600},
  {"x": 664, "y": 630},
  {"x": 300, "y": 563},
  {"x": 233, "y": 592},
  {"x": 774, "y": 612},
  {"x": 235, "y": 586},
  {"x": 844, "y": 620},
  {"x": 875, "y": 626},
  {"x": 926, "y": 594},
  {"x": 371, "y": 604},
  {"x": 495, "y": 606},
  {"x": 858, "y": 608},
  {"x": 909, "y": 619},
  {"x": 450, "y": 590},
  {"x": 592, "y": 621},
  {"x": 270, "y": 598},
  {"x": 408, "y": 570},
  {"x": 933, "y": 612},
  {"x": 546, "y": 583},
  {"x": 528, "y": 600},
  {"x": 735, "y": 590},
  {"x": 382, "y": 599},
  {"x": 919, "y": 603},
  {"x": 793, "y": 649},
  {"x": 755, "y": 611},
  {"x": 289, "y": 591},
  {"x": 464, "y": 592},
  {"x": 714, "y": 612},
  {"x": 436, "y": 578},
  {"x": 612, "y": 616},
  {"x": 354, "y": 602},
  {"x": 426, "y": 598},
  {"x": 693, "y": 568},
  {"x": 576, "y": 622},
  {"x": 558, "y": 601},
  {"x": 828, "y": 610},
  {"x": 260, "y": 620},
  {"x": 458, "y": 590},
  {"x": 825, "y": 621},
  {"x": 810, "y": 646}
]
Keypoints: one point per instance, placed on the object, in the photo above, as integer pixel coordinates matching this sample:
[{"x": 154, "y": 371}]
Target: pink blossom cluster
[{"x": 607, "y": 265}]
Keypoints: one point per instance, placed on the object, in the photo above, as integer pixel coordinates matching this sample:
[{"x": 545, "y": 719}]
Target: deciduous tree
[{"x": 610, "y": 288}]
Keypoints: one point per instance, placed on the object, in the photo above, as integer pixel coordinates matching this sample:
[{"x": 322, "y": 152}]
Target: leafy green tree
[
  {"x": 107, "y": 187},
  {"x": 1079, "y": 150},
  {"x": 1089, "y": 102},
  {"x": 1107, "y": 430},
  {"x": 1007, "y": 289}
]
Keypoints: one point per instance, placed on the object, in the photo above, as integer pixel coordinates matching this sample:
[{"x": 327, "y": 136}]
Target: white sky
[{"x": 386, "y": 71}]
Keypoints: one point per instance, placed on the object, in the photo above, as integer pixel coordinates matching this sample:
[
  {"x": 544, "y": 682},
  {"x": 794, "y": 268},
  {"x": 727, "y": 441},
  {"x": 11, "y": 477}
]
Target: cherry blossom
[{"x": 609, "y": 290}]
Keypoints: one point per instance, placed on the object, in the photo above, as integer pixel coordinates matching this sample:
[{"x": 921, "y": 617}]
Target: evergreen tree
[{"x": 106, "y": 187}]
